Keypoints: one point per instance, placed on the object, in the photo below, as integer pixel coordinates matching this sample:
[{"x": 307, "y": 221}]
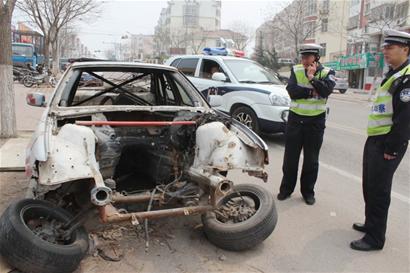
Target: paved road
[{"x": 306, "y": 239}]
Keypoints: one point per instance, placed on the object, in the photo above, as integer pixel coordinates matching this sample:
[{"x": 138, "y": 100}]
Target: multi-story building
[
  {"x": 306, "y": 21},
  {"x": 368, "y": 19},
  {"x": 182, "y": 22},
  {"x": 138, "y": 47}
]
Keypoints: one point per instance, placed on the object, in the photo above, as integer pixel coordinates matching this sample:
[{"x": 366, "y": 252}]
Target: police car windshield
[{"x": 250, "y": 72}]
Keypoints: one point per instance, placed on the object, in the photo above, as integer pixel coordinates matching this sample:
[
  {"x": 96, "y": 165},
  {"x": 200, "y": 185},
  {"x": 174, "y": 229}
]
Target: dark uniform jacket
[{"x": 400, "y": 132}]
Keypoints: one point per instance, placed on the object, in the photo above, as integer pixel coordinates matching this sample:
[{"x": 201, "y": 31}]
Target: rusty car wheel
[
  {"x": 243, "y": 219},
  {"x": 30, "y": 241}
]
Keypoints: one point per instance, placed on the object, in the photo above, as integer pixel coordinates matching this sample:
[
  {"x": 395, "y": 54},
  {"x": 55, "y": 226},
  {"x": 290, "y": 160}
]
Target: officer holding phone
[{"x": 309, "y": 86}]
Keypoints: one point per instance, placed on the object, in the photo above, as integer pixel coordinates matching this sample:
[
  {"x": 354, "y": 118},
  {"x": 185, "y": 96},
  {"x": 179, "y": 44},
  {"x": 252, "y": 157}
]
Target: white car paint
[
  {"x": 260, "y": 102},
  {"x": 57, "y": 155}
]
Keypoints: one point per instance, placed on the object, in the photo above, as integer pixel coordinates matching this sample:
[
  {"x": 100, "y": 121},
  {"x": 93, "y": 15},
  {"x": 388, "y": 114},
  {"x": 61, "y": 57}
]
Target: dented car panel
[
  {"x": 219, "y": 148},
  {"x": 72, "y": 156}
]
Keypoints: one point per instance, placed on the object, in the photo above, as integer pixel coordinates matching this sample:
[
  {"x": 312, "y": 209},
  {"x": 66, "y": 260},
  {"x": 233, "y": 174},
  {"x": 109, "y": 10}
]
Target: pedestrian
[
  {"x": 309, "y": 86},
  {"x": 388, "y": 135}
]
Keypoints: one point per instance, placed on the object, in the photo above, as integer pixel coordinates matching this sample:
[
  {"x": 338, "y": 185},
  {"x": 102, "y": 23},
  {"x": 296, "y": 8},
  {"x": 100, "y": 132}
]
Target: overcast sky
[{"x": 119, "y": 17}]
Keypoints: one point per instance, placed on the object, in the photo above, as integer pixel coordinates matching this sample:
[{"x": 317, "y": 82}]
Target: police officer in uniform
[
  {"x": 388, "y": 134},
  {"x": 309, "y": 86}
]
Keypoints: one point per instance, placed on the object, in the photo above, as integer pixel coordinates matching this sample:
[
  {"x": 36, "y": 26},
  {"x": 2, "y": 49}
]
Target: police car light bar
[
  {"x": 218, "y": 51},
  {"x": 221, "y": 51}
]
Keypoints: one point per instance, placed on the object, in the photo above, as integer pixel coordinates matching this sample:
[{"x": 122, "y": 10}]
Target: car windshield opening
[{"x": 127, "y": 87}]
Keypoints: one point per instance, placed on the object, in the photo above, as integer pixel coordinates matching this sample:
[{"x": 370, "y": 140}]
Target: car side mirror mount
[
  {"x": 215, "y": 100},
  {"x": 36, "y": 99},
  {"x": 219, "y": 76}
]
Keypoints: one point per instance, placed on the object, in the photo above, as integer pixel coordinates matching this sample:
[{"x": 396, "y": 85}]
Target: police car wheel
[
  {"x": 246, "y": 116},
  {"x": 342, "y": 91}
]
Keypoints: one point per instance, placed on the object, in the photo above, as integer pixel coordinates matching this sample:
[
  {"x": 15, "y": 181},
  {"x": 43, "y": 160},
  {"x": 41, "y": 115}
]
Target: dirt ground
[{"x": 123, "y": 248}]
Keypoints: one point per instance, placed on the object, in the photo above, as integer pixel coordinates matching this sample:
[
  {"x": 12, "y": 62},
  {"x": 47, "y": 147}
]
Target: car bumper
[
  {"x": 272, "y": 119},
  {"x": 271, "y": 127}
]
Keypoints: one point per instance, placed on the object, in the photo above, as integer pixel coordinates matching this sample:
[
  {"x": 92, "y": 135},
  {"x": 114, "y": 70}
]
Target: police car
[{"x": 239, "y": 87}]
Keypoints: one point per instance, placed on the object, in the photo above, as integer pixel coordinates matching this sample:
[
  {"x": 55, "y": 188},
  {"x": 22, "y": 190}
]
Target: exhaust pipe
[
  {"x": 214, "y": 181},
  {"x": 101, "y": 196}
]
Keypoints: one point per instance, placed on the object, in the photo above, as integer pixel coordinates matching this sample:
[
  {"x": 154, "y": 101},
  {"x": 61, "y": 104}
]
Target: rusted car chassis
[{"x": 143, "y": 145}]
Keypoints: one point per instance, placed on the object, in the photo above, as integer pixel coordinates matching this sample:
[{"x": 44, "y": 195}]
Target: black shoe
[
  {"x": 310, "y": 200},
  {"x": 362, "y": 245},
  {"x": 282, "y": 196},
  {"x": 359, "y": 227}
]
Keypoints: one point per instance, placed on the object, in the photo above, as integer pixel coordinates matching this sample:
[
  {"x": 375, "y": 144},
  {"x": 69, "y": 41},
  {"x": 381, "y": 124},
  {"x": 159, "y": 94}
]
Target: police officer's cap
[
  {"x": 310, "y": 49},
  {"x": 395, "y": 37}
]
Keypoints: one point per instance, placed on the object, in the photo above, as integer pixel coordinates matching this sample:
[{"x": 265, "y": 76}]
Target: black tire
[
  {"x": 30, "y": 253},
  {"x": 249, "y": 233},
  {"x": 247, "y": 116},
  {"x": 342, "y": 91},
  {"x": 28, "y": 81}
]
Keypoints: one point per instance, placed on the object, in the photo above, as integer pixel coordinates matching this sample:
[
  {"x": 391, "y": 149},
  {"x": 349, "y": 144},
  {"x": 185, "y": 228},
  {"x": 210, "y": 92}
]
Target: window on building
[
  {"x": 188, "y": 66},
  {"x": 310, "y": 29},
  {"x": 323, "y": 50},
  {"x": 311, "y": 7},
  {"x": 353, "y": 22},
  {"x": 325, "y": 6},
  {"x": 389, "y": 12},
  {"x": 367, "y": 7},
  {"x": 402, "y": 10},
  {"x": 191, "y": 14},
  {"x": 324, "y": 25}
]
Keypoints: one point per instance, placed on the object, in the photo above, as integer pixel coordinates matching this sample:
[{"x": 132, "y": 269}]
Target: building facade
[
  {"x": 138, "y": 47},
  {"x": 306, "y": 21},
  {"x": 181, "y": 24},
  {"x": 368, "y": 19}
]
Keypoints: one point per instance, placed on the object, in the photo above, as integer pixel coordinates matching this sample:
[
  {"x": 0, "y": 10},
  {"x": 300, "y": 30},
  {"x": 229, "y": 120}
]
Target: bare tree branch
[
  {"x": 52, "y": 15},
  {"x": 242, "y": 34}
]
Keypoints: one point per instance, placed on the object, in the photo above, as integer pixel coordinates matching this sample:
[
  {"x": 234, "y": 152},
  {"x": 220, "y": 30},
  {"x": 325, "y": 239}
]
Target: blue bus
[{"x": 24, "y": 54}]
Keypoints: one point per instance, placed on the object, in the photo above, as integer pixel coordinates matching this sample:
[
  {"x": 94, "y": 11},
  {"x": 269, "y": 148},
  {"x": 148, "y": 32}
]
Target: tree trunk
[
  {"x": 55, "y": 49},
  {"x": 8, "y": 114},
  {"x": 46, "y": 51}
]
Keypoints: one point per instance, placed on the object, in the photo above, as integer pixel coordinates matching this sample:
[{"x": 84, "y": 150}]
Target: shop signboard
[
  {"x": 352, "y": 62},
  {"x": 357, "y": 61}
]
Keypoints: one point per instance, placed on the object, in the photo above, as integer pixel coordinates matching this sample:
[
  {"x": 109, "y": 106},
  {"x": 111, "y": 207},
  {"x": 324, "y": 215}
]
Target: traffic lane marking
[{"x": 350, "y": 176}]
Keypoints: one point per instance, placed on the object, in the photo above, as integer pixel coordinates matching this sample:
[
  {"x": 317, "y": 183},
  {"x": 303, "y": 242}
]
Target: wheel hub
[
  {"x": 236, "y": 210},
  {"x": 245, "y": 119},
  {"x": 46, "y": 229}
]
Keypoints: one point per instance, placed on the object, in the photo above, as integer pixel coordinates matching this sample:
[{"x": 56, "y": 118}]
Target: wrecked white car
[{"x": 145, "y": 136}]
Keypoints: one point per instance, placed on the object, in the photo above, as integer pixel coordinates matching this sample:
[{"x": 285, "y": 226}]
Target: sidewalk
[{"x": 13, "y": 152}]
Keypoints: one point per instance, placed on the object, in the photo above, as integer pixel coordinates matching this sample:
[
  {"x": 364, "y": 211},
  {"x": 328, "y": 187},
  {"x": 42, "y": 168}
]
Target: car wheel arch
[{"x": 240, "y": 104}]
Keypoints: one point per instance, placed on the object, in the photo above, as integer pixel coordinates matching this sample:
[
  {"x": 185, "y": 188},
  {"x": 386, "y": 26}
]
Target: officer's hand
[
  {"x": 389, "y": 157},
  {"x": 315, "y": 93}
]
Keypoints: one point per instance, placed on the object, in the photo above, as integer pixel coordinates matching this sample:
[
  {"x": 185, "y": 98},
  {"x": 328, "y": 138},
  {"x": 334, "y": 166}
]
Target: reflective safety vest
[
  {"x": 311, "y": 106},
  {"x": 381, "y": 114}
]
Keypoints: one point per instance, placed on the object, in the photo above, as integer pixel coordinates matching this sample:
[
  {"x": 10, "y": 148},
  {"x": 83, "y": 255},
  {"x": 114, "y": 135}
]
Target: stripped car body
[
  {"x": 59, "y": 154},
  {"x": 145, "y": 135}
]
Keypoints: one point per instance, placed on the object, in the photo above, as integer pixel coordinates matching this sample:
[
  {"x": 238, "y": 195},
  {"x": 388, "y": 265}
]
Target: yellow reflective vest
[
  {"x": 380, "y": 119},
  {"x": 311, "y": 106}
]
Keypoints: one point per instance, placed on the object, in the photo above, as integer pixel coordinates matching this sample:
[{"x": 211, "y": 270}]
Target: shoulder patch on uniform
[{"x": 405, "y": 95}]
